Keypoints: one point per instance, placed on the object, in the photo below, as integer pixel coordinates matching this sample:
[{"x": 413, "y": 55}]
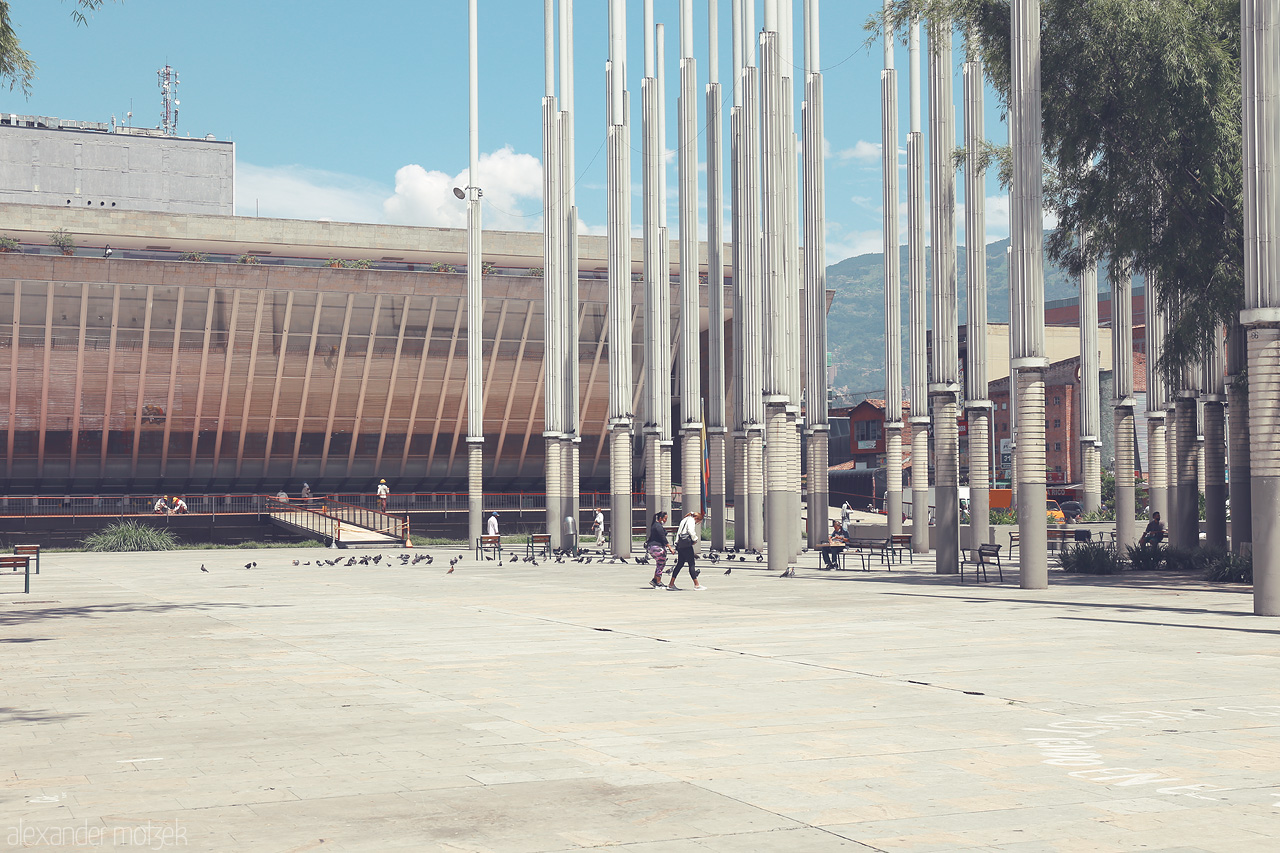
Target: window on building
[
  {"x": 1057, "y": 401},
  {"x": 1057, "y": 423},
  {"x": 1057, "y": 446},
  {"x": 867, "y": 430}
]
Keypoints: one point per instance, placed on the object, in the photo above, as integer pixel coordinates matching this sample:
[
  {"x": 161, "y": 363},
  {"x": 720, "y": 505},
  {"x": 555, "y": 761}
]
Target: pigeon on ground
[
  {"x": 295, "y": 562},
  {"x": 307, "y": 563},
  {"x": 452, "y": 563},
  {"x": 759, "y": 558},
  {"x": 789, "y": 573},
  {"x": 715, "y": 558},
  {"x": 351, "y": 562},
  {"x": 729, "y": 570},
  {"x": 203, "y": 569},
  {"x": 430, "y": 559},
  {"x": 250, "y": 565}
]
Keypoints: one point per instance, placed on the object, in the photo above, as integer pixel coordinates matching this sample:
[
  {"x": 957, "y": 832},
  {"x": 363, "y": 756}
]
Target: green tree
[
  {"x": 1142, "y": 141},
  {"x": 16, "y": 66}
]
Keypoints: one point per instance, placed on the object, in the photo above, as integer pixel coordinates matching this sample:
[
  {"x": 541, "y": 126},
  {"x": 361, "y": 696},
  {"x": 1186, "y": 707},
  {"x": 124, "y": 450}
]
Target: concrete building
[
  {"x": 332, "y": 353},
  {"x": 83, "y": 164}
]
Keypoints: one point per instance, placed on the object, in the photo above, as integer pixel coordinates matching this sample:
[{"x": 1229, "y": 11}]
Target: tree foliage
[
  {"x": 1141, "y": 109},
  {"x": 16, "y": 66}
]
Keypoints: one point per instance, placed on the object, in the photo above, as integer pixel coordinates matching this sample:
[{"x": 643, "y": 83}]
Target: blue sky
[{"x": 363, "y": 117}]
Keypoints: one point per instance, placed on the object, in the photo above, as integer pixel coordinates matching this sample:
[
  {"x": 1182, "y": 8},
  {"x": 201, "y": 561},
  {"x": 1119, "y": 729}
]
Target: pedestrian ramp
[{"x": 338, "y": 523}]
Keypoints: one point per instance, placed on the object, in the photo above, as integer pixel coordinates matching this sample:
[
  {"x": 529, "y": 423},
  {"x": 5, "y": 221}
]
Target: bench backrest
[
  {"x": 29, "y": 550},
  {"x": 14, "y": 561},
  {"x": 989, "y": 550},
  {"x": 490, "y": 540},
  {"x": 539, "y": 538}
]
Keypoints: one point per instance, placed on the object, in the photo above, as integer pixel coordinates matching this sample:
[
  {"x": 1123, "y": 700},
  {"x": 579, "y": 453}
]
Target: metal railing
[
  {"x": 326, "y": 516},
  {"x": 17, "y": 506}
]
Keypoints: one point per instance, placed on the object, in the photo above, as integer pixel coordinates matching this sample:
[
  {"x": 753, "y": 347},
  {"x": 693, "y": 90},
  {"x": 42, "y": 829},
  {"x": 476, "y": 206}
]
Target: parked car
[
  {"x": 1072, "y": 509},
  {"x": 1056, "y": 515}
]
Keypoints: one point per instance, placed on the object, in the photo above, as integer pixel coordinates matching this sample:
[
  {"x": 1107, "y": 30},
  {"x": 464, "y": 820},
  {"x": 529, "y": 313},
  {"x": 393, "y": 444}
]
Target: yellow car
[{"x": 1055, "y": 513}]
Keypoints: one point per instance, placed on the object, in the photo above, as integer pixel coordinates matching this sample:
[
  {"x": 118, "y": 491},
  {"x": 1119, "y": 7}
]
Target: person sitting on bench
[
  {"x": 833, "y": 546},
  {"x": 1154, "y": 534}
]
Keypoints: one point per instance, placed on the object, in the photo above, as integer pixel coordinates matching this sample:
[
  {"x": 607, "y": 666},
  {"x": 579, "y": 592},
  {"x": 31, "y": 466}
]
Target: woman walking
[
  {"x": 658, "y": 546},
  {"x": 687, "y": 538}
]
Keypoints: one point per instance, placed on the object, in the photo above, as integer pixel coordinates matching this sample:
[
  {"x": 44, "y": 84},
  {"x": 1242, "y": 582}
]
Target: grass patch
[{"x": 130, "y": 536}]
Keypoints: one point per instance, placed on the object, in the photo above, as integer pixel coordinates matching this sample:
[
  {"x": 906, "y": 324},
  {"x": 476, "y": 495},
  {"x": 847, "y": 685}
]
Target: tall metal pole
[
  {"x": 619, "y": 192},
  {"x": 976, "y": 403},
  {"x": 1238, "y": 432},
  {"x": 892, "y": 287},
  {"x": 751, "y": 257},
  {"x": 656, "y": 357},
  {"x": 1184, "y": 528},
  {"x": 690, "y": 287},
  {"x": 1027, "y": 280},
  {"x": 571, "y": 446},
  {"x": 1090, "y": 401},
  {"x": 1157, "y": 400},
  {"x": 553, "y": 296},
  {"x": 917, "y": 293},
  {"x": 778, "y": 427},
  {"x": 1214, "y": 399},
  {"x": 946, "y": 360},
  {"x": 717, "y": 430},
  {"x": 665, "y": 441},
  {"x": 1261, "y": 315},
  {"x": 815, "y": 280},
  {"x": 475, "y": 306},
  {"x": 792, "y": 276},
  {"x": 1123, "y": 402}
]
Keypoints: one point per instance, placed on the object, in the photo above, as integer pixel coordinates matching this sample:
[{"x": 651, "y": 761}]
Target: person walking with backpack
[{"x": 687, "y": 538}]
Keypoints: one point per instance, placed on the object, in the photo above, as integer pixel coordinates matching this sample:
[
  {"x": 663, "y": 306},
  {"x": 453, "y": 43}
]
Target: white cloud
[
  {"x": 297, "y": 192},
  {"x": 842, "y": 243},
  {"x": 862, "y": 152},
  {"x": 508, "y": 180}
]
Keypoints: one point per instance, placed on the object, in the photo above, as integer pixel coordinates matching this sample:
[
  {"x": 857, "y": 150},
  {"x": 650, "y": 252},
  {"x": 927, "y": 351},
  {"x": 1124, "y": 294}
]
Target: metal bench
[
  {"x": 980, "y": 558},
  {"x": 29, "y": 551},
  {"x": 902, "y": 545},
  {"x": 14, "y": 563}
]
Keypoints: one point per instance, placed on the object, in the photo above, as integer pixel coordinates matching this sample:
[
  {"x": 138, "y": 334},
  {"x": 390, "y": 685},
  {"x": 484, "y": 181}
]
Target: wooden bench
[
  {"x": 980, "y": 558},
  {"x": 1014, "y": 537},
  {"x": 488, "y": 543},
  {"x": 18, "y": 563},
  {"x": 539, "y": 543},
  {"x": 29, "y": 551}
]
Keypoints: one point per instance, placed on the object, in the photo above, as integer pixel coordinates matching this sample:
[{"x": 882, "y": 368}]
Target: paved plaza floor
[{"x": 514, "y": 709}]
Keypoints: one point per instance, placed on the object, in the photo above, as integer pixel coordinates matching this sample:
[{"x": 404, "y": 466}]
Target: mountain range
[{"x": 855, "y": 323}]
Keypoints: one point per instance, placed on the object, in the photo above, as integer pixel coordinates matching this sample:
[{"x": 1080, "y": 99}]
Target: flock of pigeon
[{"x": 729, "y": 555}]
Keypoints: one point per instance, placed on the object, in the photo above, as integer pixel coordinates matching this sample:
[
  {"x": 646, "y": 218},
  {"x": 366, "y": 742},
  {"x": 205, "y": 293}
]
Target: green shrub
[
  {"x": 1145, "y": 559},
  {"x": 1099, "y": 515},
  {"x": 1230, "y": 568},
  {"x": 8, "y": 244},
  {"x": 1090, "y": 558},
  {"x": 61, "y": 239},
  {"x": 1004, "y": 516},
  {"x": 248, "y": 259},
  {"x": 130, "y": 536},
  {"x": 193, "y": 257}
]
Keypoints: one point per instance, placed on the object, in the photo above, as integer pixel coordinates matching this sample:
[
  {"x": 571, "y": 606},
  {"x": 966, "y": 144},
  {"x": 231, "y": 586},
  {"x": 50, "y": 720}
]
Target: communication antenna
[{"x": 168, "y": 81}]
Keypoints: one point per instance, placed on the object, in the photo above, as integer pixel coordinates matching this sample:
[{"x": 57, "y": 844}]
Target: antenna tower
[{"x": 169, "y": 99}]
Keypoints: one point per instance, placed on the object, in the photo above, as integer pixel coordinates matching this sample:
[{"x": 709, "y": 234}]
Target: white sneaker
[{"x": 700, "y": 588}]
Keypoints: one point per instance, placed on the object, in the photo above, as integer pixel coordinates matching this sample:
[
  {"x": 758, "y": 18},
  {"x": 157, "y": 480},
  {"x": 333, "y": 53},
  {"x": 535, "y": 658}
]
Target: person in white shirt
[
  {"x": 687, "y": 537},
  {"x": 179, "y": 506},
  {"x": 383, "y": 494},
  {"x": 493, "y": 524},
  {"x": 598, "y": 524},
  {"x": 162, "y": 507},
  {"x": 845, "y": 512}
]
